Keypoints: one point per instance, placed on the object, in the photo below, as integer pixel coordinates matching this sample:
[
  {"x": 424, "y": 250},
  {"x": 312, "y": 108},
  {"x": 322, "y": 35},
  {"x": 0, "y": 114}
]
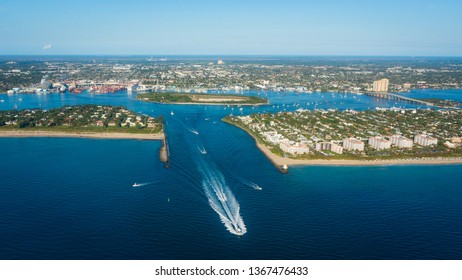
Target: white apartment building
[
  {"x": 297, "y": 148},
  {"x": 273, "y": 137},
  {"x": 379, "y": 143},
  {"x": 336, "y": 148},
  {"x": 322, "y": 146},
  {"x": 353, "y": 144},
  {"x": 401, "y": 141},
  {"x": 425, "y": 140}
]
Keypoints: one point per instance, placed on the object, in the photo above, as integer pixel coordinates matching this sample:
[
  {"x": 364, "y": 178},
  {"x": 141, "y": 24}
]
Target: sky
[{"x": 223, "y": 27}]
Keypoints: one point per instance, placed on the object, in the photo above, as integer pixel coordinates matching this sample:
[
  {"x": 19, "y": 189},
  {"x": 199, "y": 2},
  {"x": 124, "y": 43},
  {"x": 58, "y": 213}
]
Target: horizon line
[{"x": 238, "y": 55}]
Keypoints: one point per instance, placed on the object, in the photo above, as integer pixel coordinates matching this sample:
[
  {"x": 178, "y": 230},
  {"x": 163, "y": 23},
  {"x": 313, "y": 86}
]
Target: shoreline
[
  {"x": 279, "y": 161},
  {"x": 93, "y": 135}
]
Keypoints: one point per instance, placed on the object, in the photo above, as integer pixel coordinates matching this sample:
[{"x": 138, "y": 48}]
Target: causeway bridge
[{"x": 393, "y": 96}]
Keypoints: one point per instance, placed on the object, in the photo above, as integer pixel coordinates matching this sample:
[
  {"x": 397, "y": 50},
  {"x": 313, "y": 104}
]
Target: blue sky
[{"x": 222, "y": 27}]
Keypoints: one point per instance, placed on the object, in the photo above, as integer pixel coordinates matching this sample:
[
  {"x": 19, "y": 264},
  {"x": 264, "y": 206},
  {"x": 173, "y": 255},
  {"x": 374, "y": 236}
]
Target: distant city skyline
[{"x": 333, "y": 27}]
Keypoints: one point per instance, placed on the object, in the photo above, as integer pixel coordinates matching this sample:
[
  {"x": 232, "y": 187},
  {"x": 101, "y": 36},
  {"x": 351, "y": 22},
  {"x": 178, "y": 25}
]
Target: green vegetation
[
  {"x": 332, "y": 126},
  {"x": 165, "y": 97},
  {"x": 168, "y": 97},
  {"x": 82, "y": 118},
  {"x": 443, "y": 102}
]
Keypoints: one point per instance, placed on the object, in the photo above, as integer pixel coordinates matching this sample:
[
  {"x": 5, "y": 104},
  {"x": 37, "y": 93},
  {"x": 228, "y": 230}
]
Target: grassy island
[
  {"x": 349, "y": 137},
  {"x": 196, "y": 98},
  {"x": 83, "y": 120},
  {"x": 443, "y": 103}
]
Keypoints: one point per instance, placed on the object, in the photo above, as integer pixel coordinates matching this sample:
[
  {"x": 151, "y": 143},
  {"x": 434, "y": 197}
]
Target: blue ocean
[{"x": 65, "y": 198}]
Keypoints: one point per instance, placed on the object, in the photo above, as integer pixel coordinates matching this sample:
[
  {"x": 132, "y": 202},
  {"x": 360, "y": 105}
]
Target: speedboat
[
  {"x": 238, "y": 230},
  {"x": 136, "y": 185},
  {"x": 202, "y": 150}
]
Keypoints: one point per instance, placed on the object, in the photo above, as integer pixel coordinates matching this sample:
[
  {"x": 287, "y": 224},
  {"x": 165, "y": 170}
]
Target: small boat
[
  {"x": 258, "y": 188},
  {"x": 202, "y": 150},
  {"x": 136, "y": 185},
  {"x": 171, "y": 113},
  {"x": 238, "y": 230}
]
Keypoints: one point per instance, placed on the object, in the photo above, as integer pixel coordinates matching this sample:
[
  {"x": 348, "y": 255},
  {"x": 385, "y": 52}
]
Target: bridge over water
[{"x": 394, "y": 96}]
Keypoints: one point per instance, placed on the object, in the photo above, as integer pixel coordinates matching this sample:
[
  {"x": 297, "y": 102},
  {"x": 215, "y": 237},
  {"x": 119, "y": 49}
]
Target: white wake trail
[
  {"x": 193, "y": 130},
  {"x": 249, "y": 183},
  {"x": 142, "y": 184},
  {"x": 221, "y": 199}
]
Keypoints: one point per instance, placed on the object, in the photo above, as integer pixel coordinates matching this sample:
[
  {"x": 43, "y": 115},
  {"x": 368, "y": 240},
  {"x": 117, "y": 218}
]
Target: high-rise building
[
  {"x": 425, "y": 140},
  {"x": 321, "y": 146},
  {"x": 380, "y": 85},
  {"x": 353, "y": 144},
  {"x": 401, "y": 141},
  {"x": 379, "y": 143}
]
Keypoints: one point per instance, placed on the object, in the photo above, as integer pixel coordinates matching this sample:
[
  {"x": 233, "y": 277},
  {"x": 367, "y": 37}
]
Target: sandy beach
[
  {"x": 99, "y": 135},
  {"x": 278, "y": 160}
]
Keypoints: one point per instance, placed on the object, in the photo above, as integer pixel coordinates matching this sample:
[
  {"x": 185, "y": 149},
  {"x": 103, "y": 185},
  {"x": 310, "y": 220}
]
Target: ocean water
[{"x": 73, "y": 198}]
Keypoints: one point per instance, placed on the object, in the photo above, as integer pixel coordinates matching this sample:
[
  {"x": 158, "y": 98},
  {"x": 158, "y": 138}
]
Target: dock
[
  {"x": 284, "y": 169},
  {"x": 164, "y": 152}
]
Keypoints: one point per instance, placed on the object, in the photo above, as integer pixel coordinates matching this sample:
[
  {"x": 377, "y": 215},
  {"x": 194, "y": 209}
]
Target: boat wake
[
  {"x": 193, "y": 130},
  {"x": 221, "y": 199},
  {"x": 135, "y": 185},
  {"x": 190, "y": 129},
  {"x": 255, "y": 186},
  {"x": 202, "y": 150},
  {"x": 249, "y": 183}
]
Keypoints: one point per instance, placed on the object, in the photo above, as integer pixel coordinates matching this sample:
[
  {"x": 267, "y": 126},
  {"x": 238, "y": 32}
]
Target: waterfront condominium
[
  {"x": 353, "y": 144},
  {"x": 379, "y": 143},
  {"x": 380, "y": 85},
  {"x": 425, "y": 140}
]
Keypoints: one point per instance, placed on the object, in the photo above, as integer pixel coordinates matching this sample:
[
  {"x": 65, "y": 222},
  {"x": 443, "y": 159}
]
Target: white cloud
[{"x": 47, "y": 47}]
